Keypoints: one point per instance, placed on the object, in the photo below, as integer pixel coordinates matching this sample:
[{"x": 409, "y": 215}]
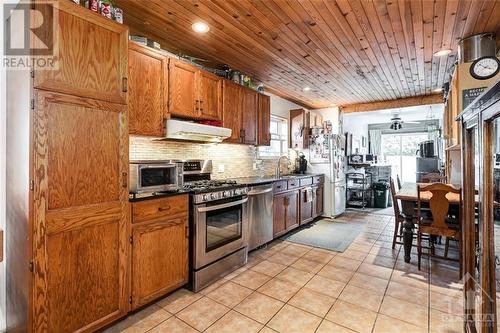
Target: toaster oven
[{"x": 155, "y": 176}]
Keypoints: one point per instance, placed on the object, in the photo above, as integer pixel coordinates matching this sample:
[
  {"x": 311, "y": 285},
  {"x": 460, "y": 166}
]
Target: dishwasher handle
[{"x": 257, "y": 192}]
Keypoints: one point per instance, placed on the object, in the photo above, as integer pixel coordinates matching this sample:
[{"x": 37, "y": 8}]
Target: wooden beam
[{"x": 393, "y": 104}]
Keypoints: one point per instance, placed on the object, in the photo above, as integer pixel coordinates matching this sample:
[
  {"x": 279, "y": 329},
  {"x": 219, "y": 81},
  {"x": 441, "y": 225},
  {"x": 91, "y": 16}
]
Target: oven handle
[{"x": 225, "y": 205}]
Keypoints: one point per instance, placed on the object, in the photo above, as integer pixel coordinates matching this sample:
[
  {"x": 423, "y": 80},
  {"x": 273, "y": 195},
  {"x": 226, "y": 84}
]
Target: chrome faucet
[{"x": 278, "y": 168}]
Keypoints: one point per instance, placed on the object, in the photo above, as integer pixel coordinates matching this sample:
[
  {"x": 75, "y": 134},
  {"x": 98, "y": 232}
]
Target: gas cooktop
[{"x": 209, "y": 185}]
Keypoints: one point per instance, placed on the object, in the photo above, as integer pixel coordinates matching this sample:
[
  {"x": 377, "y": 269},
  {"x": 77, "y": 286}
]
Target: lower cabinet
[
  {"x": 306, "y": 205},
  {"x": 318, "y": 195},
  {"x": 286, "y": 212},
  {"x": 159, "y": 248}
]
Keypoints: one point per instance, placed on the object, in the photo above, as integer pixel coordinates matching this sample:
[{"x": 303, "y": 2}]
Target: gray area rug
[{"x": 328, "y": 234}]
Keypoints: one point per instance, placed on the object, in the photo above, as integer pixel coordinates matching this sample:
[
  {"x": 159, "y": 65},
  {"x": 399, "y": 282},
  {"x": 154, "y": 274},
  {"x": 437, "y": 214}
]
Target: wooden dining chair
[
  {"x": 443, "y": 220},
  {"x": 398, "y": 217},
  {"x": 399, "y": 182},
  {"x": 433, "y": 177}
]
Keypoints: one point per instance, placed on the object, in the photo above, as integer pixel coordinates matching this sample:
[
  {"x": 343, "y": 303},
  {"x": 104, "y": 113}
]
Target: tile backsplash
[{"x": 229, "y": 160}]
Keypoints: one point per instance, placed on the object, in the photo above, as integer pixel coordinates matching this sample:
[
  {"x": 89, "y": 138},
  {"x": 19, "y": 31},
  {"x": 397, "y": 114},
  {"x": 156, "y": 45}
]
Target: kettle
[{"x": 301, "y": 164}]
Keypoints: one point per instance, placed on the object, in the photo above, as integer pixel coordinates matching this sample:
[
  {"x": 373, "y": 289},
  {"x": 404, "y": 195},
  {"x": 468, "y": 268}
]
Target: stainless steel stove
[{"x": 219, "y": 226}]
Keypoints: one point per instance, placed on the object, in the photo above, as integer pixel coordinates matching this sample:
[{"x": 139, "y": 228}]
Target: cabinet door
[
  {"x": 80, "y": 203},
  {"x": 318, "y": 200},
  {"x": 91, "y": 53},
  {"x": 279, "y": 214},
  {"x": 264, "y": 135},
  {"x": 159, "y": 259},
  {"x": 231, "y": 110},
  {"x": 210, "y": 96},
  {"x": 306, "y": 205},
  {"x": 183, "y": 100},
  {"x": 147, "y": 90},
  {"x": 249, "y": 115},
  {"x": 292, "y": 210}
]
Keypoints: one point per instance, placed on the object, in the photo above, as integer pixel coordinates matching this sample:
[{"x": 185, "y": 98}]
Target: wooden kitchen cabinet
[
  {"x": 249, "y": 115},
  {"x": 160, "y": 241},
  {"x": 194, "y": 94},
  {"x": 264, "y": 135},
  {"x": 306, "y": 205},
  {"x": 147, "y": 90},
  {"x": 286, "y": 212},
  {"x": 91, "y": 53},
  {"x": 299, "y": 129},
  {"x": 231, "y": 110},
  {"x": 318, "y": 205}
]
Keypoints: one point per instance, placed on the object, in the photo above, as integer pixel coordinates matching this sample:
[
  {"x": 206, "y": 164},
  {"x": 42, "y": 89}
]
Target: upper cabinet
[
  {"x": 231, "y": 110},
  {"x": 210, "y": 96},
  {"x": 83, "y": 68},
  {"x": 147, "y": 90},
  {"x": 194, "y": 94},
  {"x": 299, "y": 128},
  {"x": 264, "y": 135},
  {"x": 249, "y": 113},
  {"x": 240, "y": 113}
]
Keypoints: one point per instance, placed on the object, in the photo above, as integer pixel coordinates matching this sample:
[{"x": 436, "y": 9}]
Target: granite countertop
[
  {"x": 148, "y": 196},
  {"x": 271, "y": 179}
]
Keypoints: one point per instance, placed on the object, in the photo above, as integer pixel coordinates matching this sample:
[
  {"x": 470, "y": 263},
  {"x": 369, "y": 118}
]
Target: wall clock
[{"x": 485, "y": 68}]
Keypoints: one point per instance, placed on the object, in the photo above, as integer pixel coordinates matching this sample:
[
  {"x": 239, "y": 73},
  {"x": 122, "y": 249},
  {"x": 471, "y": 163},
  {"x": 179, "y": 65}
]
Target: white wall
[{"x": 281, "y": 107}]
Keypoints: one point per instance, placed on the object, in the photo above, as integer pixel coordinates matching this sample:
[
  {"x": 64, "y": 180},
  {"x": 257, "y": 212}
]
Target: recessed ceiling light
[
  {"x": 438, "y": 90},
  {"x": 200, "y": 27},
  {"x": 306, "y": 89},
  {"x": 442, "y": 53}
]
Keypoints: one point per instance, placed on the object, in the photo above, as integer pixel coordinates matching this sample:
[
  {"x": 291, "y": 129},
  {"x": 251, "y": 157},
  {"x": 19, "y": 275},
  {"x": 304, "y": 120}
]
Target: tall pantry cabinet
[{"x": 67, "y": 194}]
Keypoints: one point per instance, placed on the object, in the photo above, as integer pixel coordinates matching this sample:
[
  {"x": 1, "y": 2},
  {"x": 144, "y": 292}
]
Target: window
[{"x": 279, "y": 138}]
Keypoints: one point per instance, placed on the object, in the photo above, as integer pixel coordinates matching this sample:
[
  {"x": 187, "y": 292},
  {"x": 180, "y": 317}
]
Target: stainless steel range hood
[{"x": 191, "y": 131}]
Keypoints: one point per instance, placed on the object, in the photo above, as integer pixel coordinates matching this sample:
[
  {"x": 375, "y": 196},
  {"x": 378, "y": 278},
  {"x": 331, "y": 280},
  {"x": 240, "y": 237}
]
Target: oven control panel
[{"x": 222, "y": 194}]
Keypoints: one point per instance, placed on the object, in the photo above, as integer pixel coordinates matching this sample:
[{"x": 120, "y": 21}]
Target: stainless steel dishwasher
[{"x": 260, "y": 215}]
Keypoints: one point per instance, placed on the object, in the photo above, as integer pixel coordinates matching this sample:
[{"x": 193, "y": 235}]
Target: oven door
[
  {"x": 220, "y": 229},
  {"x": 158, "y": 177}
]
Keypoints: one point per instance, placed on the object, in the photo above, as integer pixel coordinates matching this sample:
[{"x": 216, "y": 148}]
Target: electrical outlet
[{"x": 221, "y": 168}]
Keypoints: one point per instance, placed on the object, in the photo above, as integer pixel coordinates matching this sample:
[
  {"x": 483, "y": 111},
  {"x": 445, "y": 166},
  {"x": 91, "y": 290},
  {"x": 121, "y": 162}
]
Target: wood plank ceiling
[{"x": 346, "y": 51}]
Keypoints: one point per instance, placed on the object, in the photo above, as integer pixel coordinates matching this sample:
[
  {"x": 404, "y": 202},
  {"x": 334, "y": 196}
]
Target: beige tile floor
[{"x": 291, "y": 288}]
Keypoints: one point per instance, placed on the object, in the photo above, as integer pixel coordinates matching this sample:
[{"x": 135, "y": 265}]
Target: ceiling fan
[{"x": 397, "y": 122}]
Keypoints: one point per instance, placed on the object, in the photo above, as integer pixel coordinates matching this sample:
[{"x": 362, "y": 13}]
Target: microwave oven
[{"x": 155, "y": 176}]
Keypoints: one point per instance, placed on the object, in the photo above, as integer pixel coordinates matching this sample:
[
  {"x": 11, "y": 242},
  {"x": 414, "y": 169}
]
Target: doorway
[{"x": 399, "y": 150}]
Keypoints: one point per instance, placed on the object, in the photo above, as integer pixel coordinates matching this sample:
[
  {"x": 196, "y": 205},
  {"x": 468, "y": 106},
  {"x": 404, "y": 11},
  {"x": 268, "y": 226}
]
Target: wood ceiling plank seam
[
  {"x": 428, "y": 20},
  {"x": 449, "y": 23},
  {"x": 312, "y": 51},
  {"x": 359, "y": 41},
  {"x": 406, "y": 17},
  {"x": 317, "y": 64},
  {"x": 357, "y": 18},
  {"x": 392, "y": 104},
  {"x": 493, "y": 24},
  {"x": 297, "y": 59},
  {"x": 483, "y": 17},
  {"x": 340, "y": 24},
  {"x": 381, "y": 16},
  {"x": 400, "y": 39},
  {"x": 335, "y": 53},
  {"x": 470, "y": 24},
  {"x": 236, "y": 58},
  {"x": 244, "y": 68},
  {"x": 437, "y": 39},
  {"x": 418, "y": 35}
]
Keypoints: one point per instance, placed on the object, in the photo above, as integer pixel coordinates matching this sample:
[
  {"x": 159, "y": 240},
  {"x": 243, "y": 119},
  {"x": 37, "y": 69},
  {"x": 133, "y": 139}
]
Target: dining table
[{"x": 408, "y": 195}]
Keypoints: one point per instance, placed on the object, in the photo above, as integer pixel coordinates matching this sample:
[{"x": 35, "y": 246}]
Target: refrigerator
[{"x": 334, "y": 168}]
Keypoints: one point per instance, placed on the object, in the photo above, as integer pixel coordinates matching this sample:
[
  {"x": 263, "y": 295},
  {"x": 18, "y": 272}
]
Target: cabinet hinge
[
  {"x": 131, "y": 240},
  {"x": 32, "y": 104},
  {"x": 130, "y": 299},
  {"x": 30, "y": 266},
  {"x": 32, "y": 185},
  {"x": 32, "y": 73}
]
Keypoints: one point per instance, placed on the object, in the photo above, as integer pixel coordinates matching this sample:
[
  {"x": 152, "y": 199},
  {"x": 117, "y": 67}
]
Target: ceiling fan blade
[{"x": 412, "y": 122}]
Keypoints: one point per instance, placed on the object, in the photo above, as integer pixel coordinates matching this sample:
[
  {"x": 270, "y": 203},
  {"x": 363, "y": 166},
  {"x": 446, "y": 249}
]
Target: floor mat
[{"x": 328, "y": 234}]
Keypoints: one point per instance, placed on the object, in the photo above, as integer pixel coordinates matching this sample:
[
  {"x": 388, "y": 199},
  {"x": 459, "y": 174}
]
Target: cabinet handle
[
  {"x": 162, "y": 209},
  {"x": 124, "y": 180},
  {"x": 124, "y": 84},
  {"x": 197, "y": 108}
]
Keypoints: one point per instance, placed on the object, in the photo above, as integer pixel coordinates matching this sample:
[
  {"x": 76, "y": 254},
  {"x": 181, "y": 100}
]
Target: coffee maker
[{"x": 301, "y": 164}]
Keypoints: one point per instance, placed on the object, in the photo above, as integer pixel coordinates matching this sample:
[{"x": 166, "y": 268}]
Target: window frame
[{"x": 264, "y": 152}]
